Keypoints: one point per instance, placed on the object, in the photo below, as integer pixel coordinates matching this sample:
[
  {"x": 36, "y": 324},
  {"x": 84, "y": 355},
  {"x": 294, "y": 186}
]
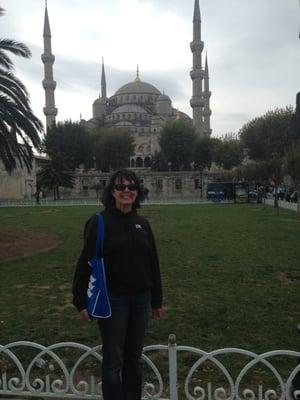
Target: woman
[{"x": 134, "y": 285}]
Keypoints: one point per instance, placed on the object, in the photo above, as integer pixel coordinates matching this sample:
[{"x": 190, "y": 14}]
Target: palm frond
[
  {"x": 5, "y": 61},
  {"x": 17, "y": 121},
  {"x": 14, "y": 47}
]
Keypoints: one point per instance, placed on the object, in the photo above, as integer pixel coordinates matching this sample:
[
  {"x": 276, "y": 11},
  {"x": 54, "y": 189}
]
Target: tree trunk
[
  {"x": 298, "y": 201},
  {"x": 276, "y": 193}
]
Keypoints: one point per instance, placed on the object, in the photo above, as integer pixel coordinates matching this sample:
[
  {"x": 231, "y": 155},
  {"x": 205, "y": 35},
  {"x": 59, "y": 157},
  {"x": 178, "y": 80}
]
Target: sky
[{"x": 253, "y": 50}]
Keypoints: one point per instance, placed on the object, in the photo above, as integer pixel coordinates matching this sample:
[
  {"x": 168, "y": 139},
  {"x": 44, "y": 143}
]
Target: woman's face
[{"x": 125, "y": 193}]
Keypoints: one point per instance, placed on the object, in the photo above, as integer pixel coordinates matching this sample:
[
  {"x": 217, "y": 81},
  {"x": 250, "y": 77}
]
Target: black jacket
[{"x": 130, "y": 257}]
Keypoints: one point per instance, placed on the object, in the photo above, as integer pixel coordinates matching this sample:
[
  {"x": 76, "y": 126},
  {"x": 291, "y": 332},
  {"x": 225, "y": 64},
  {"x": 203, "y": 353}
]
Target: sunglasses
[{"x": 120, "y": 187}]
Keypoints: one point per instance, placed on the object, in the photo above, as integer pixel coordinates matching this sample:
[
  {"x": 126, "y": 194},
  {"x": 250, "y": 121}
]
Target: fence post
[{"x": 172, "y": 351}]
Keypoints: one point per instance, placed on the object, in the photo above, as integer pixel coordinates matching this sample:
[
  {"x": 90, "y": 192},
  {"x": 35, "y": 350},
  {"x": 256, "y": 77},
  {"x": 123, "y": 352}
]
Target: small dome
[
  {"x": 138, "y": 87},
  {"x": 123, "y": 123},
  {"x": 100, "y": 100},
  {"x": 129, "y": 108},
  {"x": 163, "y": 97}
]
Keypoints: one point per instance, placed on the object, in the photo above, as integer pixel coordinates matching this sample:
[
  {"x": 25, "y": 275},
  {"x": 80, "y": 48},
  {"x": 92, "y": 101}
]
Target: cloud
[{"x": 253, "y": 52}]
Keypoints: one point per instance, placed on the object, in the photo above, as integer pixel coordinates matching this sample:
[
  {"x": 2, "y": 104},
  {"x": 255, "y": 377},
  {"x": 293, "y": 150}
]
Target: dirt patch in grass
[
  {"x": 286, "y": 277},
  {"x": 17, "y": 243}
]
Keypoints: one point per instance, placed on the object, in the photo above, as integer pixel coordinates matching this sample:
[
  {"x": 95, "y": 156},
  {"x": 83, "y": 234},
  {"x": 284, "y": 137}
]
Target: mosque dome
[
  {"x": 138, "y": 87},
  {"x": 164, "y": 105},
  {"x": 99, "y": 108},
  {"x": 163, "y": 97},
  {"x": 129, "y": 108},
  {"x": 123, "y": 124},
  {"x": 100, "y": 101}
]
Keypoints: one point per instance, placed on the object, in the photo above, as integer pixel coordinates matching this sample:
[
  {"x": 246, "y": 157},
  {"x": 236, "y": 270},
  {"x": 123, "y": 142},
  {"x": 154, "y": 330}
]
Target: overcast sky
[{"x": 253, "y": 52}]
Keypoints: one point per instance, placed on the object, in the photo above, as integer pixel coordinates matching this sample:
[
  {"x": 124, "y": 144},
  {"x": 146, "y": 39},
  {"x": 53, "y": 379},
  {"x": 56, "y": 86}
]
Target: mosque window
[
  {"x": 159, "y": 184},
  {"x": 197, "y": 183},
  {"x": 127, "y": 98},
  {"x": 134, "y": 97},
  {"x": 178, "y": 184},
  {"x": 139, "y": 162},
  {"x": 147, "y": 162}
]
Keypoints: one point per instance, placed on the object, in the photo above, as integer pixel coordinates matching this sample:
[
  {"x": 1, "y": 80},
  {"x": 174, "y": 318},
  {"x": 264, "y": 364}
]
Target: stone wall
[
  {"x": 17, "y": 186},
  {"x": 160, "y": 185}
]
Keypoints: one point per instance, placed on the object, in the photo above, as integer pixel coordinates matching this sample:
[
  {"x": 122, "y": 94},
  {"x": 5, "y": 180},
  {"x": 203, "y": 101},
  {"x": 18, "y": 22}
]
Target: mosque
[
  {"x": 138, "y": 106},
  {"x": 142, "y": 109}
]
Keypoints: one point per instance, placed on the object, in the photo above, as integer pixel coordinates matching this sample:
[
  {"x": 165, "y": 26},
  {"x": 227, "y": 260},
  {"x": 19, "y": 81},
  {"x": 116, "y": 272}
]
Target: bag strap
[{"x": 99, "y": 237}]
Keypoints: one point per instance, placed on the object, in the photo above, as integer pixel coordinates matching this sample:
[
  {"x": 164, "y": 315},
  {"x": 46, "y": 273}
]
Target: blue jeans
[{"x": 123, "y": 340}]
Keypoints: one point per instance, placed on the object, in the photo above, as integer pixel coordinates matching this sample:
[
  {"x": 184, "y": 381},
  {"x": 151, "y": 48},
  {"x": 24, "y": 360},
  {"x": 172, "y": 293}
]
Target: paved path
[{"x": 283, "y": 204}]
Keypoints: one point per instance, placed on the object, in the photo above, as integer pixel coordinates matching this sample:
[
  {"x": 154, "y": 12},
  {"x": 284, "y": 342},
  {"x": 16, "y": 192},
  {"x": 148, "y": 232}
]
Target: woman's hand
[
  {"x": 84, "y": 315},
  {"x": 157, "y": 313}
]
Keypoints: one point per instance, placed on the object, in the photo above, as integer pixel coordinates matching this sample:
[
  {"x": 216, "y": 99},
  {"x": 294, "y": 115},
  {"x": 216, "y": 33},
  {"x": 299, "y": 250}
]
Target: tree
[
  {"x": 177, "y": 141},
  {"x": 19, "y": 128},
  {"x": 292, "y": 163},
  {"x": 202, "y": 156},
  {"x": 268, "y": 138},
  {"x": 227, "y": 152},
  {"x": 112, "y": 149},
  {"x": 292, "y": 167},
  {"x": 256, "y": 173},
  {"x": 159, "y": 162},
  {"x": 54, "y": 174},
  {"x": 70, "y": 140}
]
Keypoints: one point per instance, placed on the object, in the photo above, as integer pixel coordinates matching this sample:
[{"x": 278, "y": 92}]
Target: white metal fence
[{"x": 72, "y": 371}]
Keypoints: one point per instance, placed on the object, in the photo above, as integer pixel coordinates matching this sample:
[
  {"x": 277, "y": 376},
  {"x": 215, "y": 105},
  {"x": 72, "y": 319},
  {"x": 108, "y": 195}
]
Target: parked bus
[{"x": 234, "y": 191}]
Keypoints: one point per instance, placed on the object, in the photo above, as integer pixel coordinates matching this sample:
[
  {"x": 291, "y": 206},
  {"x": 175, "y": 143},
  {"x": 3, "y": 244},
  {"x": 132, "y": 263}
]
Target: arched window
[
  {"x": 178, "y": 184},
  {"x": 159, "y": 184},
  {"x": 139, "y": 162},
  {"x": 147, "y": 162}
]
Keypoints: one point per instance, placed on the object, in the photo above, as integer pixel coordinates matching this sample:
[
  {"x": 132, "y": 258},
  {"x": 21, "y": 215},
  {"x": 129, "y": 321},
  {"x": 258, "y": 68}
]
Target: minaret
[
  {"x": 137, "y": 78},
  {"x": 206, "y": 96},
  {"x": 49, "y": 84},
  {"x": 103, "y": 82},
  {"x": 197, "y": 73},
  {"x": 100, "y": 104}
]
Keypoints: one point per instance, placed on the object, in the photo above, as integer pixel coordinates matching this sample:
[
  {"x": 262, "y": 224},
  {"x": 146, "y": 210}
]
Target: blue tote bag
[{"x": 98, "y": 305}]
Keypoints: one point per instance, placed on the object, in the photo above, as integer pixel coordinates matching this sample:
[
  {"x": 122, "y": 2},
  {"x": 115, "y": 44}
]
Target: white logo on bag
[
  {"x": 138, "y": 226},
  {"x": 91, "y": 286}
]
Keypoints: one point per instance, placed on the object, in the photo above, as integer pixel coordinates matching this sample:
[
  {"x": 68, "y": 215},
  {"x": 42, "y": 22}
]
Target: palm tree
[
  {"x": 55, "y": 174},
  {"x": 19, "y": 127}
]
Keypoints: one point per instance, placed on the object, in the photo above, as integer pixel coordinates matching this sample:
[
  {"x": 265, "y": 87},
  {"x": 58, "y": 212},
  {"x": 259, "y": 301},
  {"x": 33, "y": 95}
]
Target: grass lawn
[{"x": 231, "y": 277}]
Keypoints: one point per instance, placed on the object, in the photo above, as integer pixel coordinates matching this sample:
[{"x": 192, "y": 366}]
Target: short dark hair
[{"x": 108, "y": 199}]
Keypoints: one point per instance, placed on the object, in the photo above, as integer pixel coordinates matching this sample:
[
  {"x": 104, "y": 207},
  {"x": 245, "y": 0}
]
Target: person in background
[{"x": 134, "y": 285}]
